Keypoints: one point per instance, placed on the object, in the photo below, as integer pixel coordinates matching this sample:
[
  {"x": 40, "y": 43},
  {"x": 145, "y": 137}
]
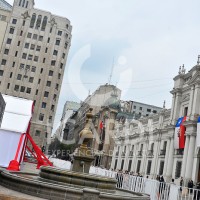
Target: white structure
[
  {"x": 33, "y": 54},
  {"x": 147, "y": 146}
]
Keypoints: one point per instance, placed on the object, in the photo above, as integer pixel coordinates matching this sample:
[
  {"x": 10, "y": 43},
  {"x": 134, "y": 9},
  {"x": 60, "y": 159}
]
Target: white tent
[{"x": 13, "y": 129}]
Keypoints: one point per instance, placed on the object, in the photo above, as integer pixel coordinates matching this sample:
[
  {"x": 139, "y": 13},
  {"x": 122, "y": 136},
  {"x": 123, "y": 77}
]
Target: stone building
[
  {"x": 33, "y": 55},
  {"x": 146, "y": 145}
]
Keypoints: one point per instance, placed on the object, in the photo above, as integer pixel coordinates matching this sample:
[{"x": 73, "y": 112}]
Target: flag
[
  {"x": 198, "y": 133},
  {"x": 101, "y": 125},
  {"x": 179, "y": 136}
]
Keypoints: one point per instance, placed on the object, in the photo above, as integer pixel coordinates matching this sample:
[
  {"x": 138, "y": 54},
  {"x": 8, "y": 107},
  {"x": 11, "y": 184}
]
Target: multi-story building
[
  {"x": 146, "y": 145},
  {"x": 62, "y": 132},
  {"x": 33, "y": 55}
]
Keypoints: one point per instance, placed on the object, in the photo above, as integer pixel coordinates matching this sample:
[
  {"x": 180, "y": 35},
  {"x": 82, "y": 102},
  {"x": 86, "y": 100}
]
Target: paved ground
[{"x": 7, "y": 194}]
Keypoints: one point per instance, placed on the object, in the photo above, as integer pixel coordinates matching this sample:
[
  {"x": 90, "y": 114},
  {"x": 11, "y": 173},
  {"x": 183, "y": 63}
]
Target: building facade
[
  {"x": 146, "y": 145},
  {"x": 33, "y": 55}
]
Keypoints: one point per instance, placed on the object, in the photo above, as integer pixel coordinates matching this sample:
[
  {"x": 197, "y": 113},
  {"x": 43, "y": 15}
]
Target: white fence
[{"x": 156, "y": 190}]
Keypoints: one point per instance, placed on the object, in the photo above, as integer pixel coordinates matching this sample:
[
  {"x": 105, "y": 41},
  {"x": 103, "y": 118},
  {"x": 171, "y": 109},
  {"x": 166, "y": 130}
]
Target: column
[
  {"x": 190, "y": 158},
  {"x": 166, "y": 157},
  {"x": 185, "y": 155},
  {"x": 191, "y": 100},
  {"x": 195, "y": 108},
  {"x": 176, "y": 110},
  {"x": 173, "y": 105},
  {"x": 170, "y": 160},
  {"x": 119, "y": 157},
  {"x": 113, "y": 158}
]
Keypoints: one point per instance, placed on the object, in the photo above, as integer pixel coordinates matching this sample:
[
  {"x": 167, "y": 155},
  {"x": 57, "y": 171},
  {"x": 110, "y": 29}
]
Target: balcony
[
  {"x": 150, "y": 153},
  {"x": 139, "y": 153},
  {"x": 162, "y": 152},
  {"x": 131, "y": 154}
]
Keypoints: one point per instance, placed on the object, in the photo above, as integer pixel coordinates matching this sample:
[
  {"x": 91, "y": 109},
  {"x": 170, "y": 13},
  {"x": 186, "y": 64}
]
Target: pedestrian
[{"x": 181, "y": 184}]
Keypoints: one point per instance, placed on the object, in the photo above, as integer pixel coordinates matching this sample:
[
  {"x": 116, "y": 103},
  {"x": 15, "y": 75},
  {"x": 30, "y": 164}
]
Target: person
[
  {"x": 158, "y": 178},
  {"x": 190, "y": 186},
  {"x": 197, "y": 192},
  {"x": 181, "y": 184}
]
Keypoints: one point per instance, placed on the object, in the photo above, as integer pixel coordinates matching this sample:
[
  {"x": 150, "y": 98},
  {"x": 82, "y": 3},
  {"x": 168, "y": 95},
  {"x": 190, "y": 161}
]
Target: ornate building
[{"x": 146, "y": 145}]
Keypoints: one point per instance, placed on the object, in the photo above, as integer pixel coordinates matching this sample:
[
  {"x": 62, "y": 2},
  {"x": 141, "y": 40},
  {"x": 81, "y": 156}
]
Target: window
[
  {"x": 22, "y": 89},
  {"x": 48, "y": 40},
  {"x": 3, "y": 62},
  {"x": 6, "y": 51},
  {"x": 41, "y": 117},
  {"x": 138, "y": 166},
  {"x": 35, "y": 36},
  {"x": 57, "y": 86},
  {"x": 178, "y": 169},
  {"x": 57, "y": 42},
  {"x": 36, "y": 93},
  {"x": 13, "y": 65},
  {"x": 31, "y": 79},
  {"x": 44, "y": 60},
  {"x": 21, "y": 33},
  {"x": 26, "y": 45},
  {"x": 122, "y": 164},
  {"x": 32, "y": 47},
  {"x": 59, "y": 76},
  {"x": 38, "y": 23},
  {"x": 129, "y": 165},
  {"x": 16, "y": 88},
  {"x": 21, "y": 66},
  {"x": 37, "y": 133},
  {"x": 149, "y": 167},
  {"x": 23, "y": 23},
  {"x": 40, "y": 38},
  {"x": 24, "y": 55},
  {"x": 11, "y": 30},
  {"x": 36, "y": 58},
  {"x": 28, "y": 90},
  {"x": 48, "y": 84},
  {"x": 51, "y": 29},
  {"x": 16, "y": 53},
  {"x": 44, "y": 105},
  {"x": 33, "y": 20},
  {"x": 55, "y": 52},
  {"x": 29, "y": 35},
  {"x": 46, "y": 50},
  {"x": 14, "y": 21},
  {"x": 50, "y": 73},
  {"x": 1, "y": 72},
  {"x": 2, "y": 18},
  {"x": 161, "y": 168},
  {"x": 185, "y": 111},
  {"x": 50, "y": 119},
  {"x": 60, "y": 33},
  {"x": 140, "y": 108},
  {"x": 134, "y": 107},
  {"x": 27, "y": 4},
  {"x": 8, "y": 86},
  {"x": 28, "y": 67},
  {"x": 9, "y": 41},
  {"x": 55, "y": 96},
  {"x": 148, "y": 110},
  {"x": 154, "y": 111},
  {"x": 30, "y": 57},
  {"x": 18, "y": 44},
  {"x": 61, "y": 65},
  {"x": 33, "y": 69},
  {"x": 41, "y": 71},
  {"x": 53, "y": 63},
  {"x": 52, "y": 107},
  {"x": 44, "y": 23},
  {"x": 66, "y": 45},
  {"x": 46, "y": 94},
  {"x": 63, "y": 56},
  {"x": 38, "y": 48},
  {"x": 39, "y": 81},
  {"x": 11, "y": 75}
]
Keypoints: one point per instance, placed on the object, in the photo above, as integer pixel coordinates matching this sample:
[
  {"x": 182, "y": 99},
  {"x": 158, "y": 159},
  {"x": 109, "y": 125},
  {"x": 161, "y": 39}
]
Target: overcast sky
[{"x": 148, "y": 39}]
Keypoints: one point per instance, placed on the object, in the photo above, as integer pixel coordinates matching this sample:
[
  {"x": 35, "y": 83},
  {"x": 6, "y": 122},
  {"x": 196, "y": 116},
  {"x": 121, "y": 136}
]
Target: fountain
[{"x": 77, "y": 184}]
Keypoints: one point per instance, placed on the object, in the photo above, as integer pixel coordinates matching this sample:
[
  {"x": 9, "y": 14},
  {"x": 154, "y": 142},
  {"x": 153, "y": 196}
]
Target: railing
[{"x": 139, "y": 153}]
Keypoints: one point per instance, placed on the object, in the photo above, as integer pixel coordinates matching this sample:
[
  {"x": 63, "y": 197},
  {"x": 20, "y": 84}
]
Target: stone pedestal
[{"x": 82, "y": 160}]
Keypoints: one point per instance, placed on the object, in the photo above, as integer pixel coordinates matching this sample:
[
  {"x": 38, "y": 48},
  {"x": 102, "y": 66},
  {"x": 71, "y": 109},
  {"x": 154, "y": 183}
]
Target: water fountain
[{"x": 77, "y": 184}]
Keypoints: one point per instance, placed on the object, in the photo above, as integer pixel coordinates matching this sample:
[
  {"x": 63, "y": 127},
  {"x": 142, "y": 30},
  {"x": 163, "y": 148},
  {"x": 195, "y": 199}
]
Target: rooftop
[{"x": 5, "y": 5}]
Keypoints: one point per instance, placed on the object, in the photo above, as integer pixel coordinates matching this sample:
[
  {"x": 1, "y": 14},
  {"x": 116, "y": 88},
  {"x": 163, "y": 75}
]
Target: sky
[{"x": 142, "y": 43}]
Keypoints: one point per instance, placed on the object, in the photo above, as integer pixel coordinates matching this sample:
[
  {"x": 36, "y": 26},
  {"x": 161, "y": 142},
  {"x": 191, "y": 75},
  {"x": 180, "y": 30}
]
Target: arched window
[
  {"x": 44, "y": 23},
  {"x": 38, "y": 23},
  {"x": 23, "y": 4},
  {"x": 33, "y": 20},
  {"x": 20, "y": 2}
]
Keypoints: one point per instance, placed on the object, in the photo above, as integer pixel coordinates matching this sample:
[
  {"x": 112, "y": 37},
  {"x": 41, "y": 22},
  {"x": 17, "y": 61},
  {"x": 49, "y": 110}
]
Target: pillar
[
  {"x": 195, "y": 108},
  {"x": 190, "y": 158},
  {"x": 166, "y": 157},
  {"x": 170, "y": 160},
  {"x": 185, "y": 155},
  {"x": 191, "y": 100}
]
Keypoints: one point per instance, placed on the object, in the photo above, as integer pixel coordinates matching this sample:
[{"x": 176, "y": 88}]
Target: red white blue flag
[{"x": 179, "y": 136}]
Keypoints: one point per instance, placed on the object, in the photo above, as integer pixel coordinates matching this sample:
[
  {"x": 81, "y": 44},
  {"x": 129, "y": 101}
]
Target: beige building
[{"x": 33, "y": 55}]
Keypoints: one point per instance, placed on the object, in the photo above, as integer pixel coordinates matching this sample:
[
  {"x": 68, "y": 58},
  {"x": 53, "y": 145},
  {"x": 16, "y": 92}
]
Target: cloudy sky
[{"x": 148, "y": 41}]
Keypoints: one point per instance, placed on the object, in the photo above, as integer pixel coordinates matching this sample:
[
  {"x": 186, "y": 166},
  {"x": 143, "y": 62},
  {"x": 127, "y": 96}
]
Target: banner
[
  {"x": 198, "y": 133},
  {"x": 179, "y": 136}
]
